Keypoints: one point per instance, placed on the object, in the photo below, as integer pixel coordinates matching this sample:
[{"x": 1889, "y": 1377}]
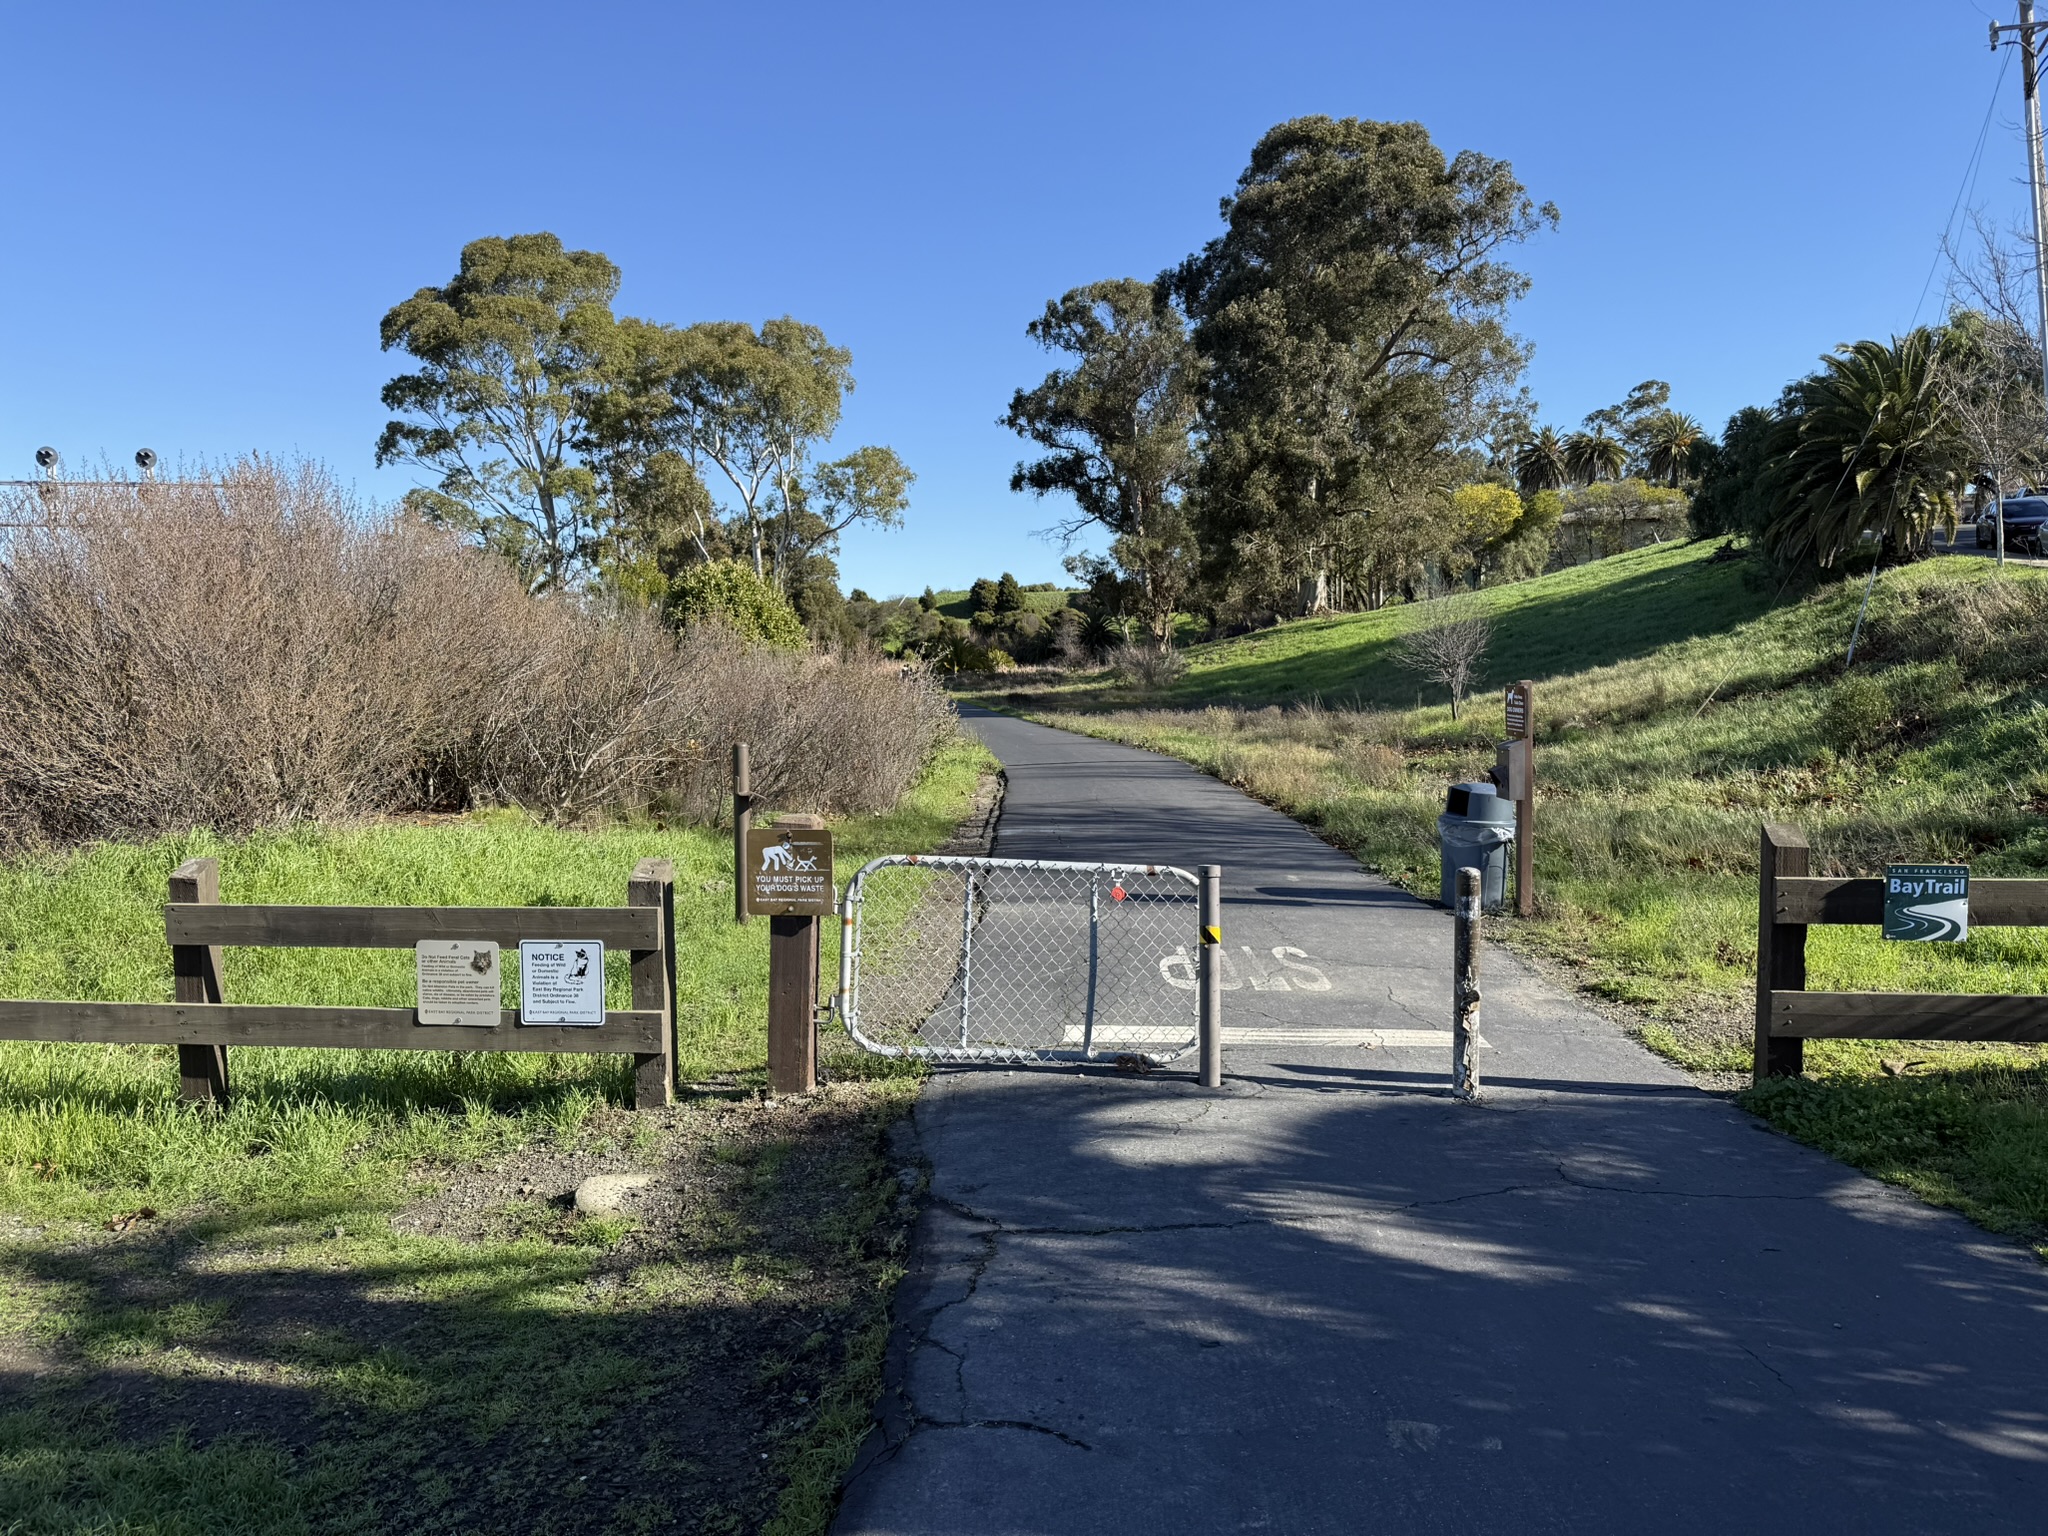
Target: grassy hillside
[
  {"x": 360, "y": 1300},
  {"x": 1677, "y": 708},
  {"x": 957, "y": 605}
]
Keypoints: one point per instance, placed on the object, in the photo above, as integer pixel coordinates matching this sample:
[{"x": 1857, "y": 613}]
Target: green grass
[
  {"x": 959, "y": 605},
  {"x": 159, "y": 1263},
  {"x": 1678, "y": 708}
]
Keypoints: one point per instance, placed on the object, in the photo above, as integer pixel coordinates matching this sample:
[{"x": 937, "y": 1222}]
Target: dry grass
[{"x": 261, "y": 649}]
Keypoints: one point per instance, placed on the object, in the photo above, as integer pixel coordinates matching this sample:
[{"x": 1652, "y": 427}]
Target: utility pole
[{"x": 2027, "y": 33}]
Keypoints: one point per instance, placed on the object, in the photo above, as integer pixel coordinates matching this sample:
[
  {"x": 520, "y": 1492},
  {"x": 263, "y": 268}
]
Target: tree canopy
[
  {"x": 509, "y": 349},
  {"x": 1353, "y": 321},
  {"x": 1115, "y": 426},
  {"x": 585, "y": 446}
]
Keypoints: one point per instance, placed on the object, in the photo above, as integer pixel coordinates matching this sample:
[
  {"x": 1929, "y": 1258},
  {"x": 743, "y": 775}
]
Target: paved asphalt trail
[{"x": 1330, "y": 1299}]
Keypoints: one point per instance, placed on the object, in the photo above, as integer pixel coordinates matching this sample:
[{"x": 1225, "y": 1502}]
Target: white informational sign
[
  {"x": 561, "y": 981},
  {"x": 458, "y": 981}
]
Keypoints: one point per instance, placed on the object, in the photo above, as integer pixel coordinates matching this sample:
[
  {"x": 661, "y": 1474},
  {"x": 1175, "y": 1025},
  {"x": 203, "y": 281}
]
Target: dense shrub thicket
[{"x": 262, "y": 649}]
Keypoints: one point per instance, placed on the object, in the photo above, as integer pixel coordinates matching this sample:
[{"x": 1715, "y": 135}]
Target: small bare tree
[
  {"x": 1446, "y": 645},
  {"x": 1990, "y": 364}
]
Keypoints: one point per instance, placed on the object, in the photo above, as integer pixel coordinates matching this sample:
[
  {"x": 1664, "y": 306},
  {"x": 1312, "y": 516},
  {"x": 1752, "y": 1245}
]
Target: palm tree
[
  {"x": 1672, "y": 438},
  {"x": 1540, "y": 463},
  {"x": 1591, "y": 456},
  {"x": 1871, "y": 446}
]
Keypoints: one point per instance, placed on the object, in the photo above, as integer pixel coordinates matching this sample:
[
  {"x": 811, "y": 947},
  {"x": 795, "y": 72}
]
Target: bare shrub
[
  {"x": 1446, "y": 646},
  {"x": 262, "y": 649},
  {"x": 1147, "y": 666}
]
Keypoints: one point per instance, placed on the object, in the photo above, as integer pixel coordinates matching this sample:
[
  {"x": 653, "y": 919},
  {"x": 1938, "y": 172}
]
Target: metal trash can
[{"x": 1474, "y": 832}]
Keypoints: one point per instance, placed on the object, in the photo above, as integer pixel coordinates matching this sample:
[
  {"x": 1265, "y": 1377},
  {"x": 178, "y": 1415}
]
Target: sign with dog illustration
[
  {"x": 789, "y": 871},
  {"x": 457, "y": 981},
  {"x": 561, "y": 981},
  {"x": 1929, "y": 903}
]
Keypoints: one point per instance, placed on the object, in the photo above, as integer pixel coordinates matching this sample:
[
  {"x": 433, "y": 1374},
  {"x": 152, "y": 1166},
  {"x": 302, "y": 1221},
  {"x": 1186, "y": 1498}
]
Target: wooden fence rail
[
  {"x": 203, "y": 1024},
  {"x": 1789, "y": 901}
]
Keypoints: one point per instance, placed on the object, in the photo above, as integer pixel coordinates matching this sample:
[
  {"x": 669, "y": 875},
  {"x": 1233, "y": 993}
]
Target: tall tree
[
  {"x": 1731, "y": 496},
  {"x": 1593, "y": 456},
  {"x": 509, "y": 349},
  {"x": 1115, "y": 426},
  {"x": 1670, "y": 439},
  {"x": 1540, "y": 463},
  {"x": 1353, "y": 318},
  {"x": 755, "y": 407},
  {"x": 1870, "y": 446}
]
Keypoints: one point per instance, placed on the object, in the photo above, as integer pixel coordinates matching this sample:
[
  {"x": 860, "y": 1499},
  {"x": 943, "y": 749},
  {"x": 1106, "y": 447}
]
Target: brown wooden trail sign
[
  {"x": 788, "y": 879},
  {"x": 1514, "y": 773},
  {"x": 203, "y": 1024}
]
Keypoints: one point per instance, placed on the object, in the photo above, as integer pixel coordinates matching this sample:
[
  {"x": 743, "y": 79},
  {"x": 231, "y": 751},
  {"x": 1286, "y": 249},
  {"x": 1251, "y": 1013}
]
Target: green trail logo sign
[{"x": 1927, "y": 903}]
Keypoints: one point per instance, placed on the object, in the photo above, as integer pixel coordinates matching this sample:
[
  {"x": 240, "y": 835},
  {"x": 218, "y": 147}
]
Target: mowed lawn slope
[
  {"x": 360, "y": 1300},
  {"x": 1679, "y": 706}
]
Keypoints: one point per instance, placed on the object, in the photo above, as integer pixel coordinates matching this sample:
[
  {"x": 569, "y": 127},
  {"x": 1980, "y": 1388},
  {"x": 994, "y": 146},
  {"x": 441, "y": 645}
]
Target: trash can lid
[{"x": 1459, "y": 801}]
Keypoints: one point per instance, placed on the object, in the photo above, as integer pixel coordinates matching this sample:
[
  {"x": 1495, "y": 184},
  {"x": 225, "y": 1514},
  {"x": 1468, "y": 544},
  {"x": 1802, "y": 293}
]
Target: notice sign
[
  {"x": 457, "y": 981},
  {"x": 1518, "y": 702},
  {"x": 561, "y": 981},
  {"x": 789, "y": 872},
  {"x": 1929, "y": 903}
]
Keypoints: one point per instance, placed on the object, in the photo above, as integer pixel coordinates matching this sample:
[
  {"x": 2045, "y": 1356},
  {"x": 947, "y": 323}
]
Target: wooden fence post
[
  {"x": 195, "y": 972},
  {"x": 793, "y": 994},
  {"x": 654, "y": 885},
  {"x": 1780, "y": 951},
  {"x": 742, "y": 818}
]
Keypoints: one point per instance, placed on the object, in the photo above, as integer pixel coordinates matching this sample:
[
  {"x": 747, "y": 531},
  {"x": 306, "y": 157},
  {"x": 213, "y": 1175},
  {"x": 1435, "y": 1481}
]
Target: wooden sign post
[
  {"x": 1516, "y": 775},
  {"x": 742, "y": 819},
  {"x": 788, "y": 879}
]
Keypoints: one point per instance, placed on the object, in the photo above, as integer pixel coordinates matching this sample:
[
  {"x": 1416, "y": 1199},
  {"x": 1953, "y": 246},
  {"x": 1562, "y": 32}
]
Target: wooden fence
[
  {"x": 203, "y": 1024},
  {"x": 1789, "y": 901}
]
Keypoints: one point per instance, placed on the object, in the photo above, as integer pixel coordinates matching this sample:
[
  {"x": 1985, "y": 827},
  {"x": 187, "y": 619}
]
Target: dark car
[{"x": 2025, "y": 516}]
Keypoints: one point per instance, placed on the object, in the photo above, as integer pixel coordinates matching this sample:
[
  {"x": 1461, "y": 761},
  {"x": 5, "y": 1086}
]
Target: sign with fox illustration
[{"x": 789, "y": 871}]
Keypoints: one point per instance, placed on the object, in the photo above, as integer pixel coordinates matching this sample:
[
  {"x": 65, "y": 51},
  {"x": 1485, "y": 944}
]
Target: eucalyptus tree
[
  {"x": 1115, "y": 425},
  {"x": 1869, "y": 445},
  {"x": 751, "y": 409},
  {"x": 1540, "y": 463},
  {"x": 1592, "y": 456},
  {"x": 509, "y": 350},
  {"x": 1353, "y": 320}
]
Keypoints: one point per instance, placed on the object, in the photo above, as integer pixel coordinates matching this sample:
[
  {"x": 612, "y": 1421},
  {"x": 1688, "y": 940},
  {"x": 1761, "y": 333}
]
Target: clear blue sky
[{"x": 208, "y": 207}]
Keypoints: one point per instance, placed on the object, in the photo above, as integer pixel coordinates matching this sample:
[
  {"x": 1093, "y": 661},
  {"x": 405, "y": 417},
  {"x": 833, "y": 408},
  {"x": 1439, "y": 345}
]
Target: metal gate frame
[{"x": 1208, "y": 1025}]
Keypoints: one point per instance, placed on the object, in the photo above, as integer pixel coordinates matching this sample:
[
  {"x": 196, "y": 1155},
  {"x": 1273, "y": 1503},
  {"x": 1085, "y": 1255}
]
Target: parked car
[{"x": 2025, "y": 517}]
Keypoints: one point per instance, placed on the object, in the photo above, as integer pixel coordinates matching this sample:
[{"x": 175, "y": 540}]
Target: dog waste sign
[
  {"x": 1929, "y": 903},
  {"x": 789, "y": 871}
]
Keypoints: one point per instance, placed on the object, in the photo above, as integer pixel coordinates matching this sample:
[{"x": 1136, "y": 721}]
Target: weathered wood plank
[
  {"x": 196, "y": 977},
  {"x": 1908, "y": 1016},
  {"x": 1993, "y": 903},
  {"x": 372, "y": 1029},
  {"x": 653, "y": 887},
  {"x": 402, "y": 927},
  {"x": 1780, "y": 952}
]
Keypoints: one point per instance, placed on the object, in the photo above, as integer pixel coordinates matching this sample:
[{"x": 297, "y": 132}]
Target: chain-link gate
[{"x": 969, "y": 959}]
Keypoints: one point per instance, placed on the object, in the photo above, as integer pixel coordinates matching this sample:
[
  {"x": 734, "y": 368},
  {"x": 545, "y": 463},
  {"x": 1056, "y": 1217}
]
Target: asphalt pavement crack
[
  {"x": 1023, "y": 1424},
  {"x": 1760, "y": 1360}
]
